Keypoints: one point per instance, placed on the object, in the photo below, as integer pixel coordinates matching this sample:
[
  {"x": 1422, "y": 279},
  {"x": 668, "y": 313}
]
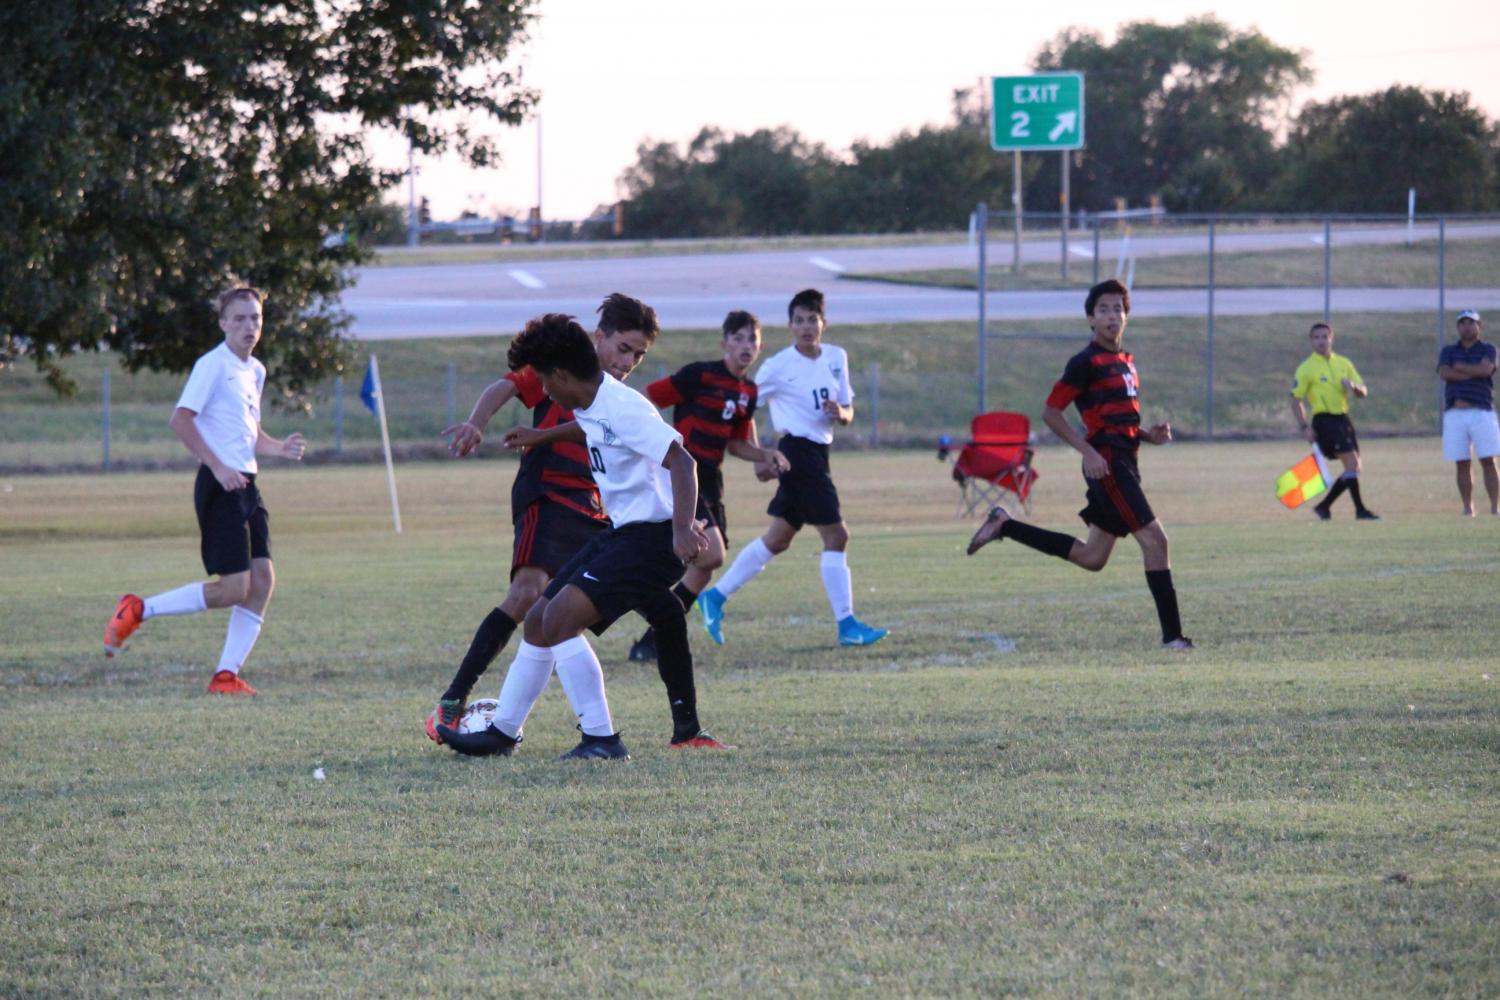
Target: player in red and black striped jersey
[
  {"x": 555, "y": 504},
  {"x": 714, "y": 411},
  {"x": 1102, "y": 382}
]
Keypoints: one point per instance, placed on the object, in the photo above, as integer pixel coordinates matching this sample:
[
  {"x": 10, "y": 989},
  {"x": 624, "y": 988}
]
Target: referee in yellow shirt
[{"x": 1327, "y": 380}]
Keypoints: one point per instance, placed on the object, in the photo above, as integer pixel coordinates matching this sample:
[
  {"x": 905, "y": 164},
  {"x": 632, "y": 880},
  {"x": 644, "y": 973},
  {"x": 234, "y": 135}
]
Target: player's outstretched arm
[
  {"x": 773, "y": 461},
  {"x": 521, "y": 438},
  {"x": 467, "y": 436}
]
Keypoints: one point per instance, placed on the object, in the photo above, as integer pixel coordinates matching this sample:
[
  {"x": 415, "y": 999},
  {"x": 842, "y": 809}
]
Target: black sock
[
  {"x": 687, "y": 597},
  {"x": 1339, "y": 486},
  {"x": 1053, "y": 543},
  {"x": 491, "y": 636},
  {"x": 674, "y": 662},
  {"x": 1353, "y": 486},
  {"x": 1165, "y": 595}
]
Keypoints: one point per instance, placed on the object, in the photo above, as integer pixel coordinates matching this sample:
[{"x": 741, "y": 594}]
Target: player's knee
[
  {"x": 1091, "y": 561},
  {"x": 520, "y": 599},
  {"x": 776, "y": 544},
  {"x": 836, "y": 539},
  {"x": 533, "y": 627},
  {"x": 236, "y": 589}
]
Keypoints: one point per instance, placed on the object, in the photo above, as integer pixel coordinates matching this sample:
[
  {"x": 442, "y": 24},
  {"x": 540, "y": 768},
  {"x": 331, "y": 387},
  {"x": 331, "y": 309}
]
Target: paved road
[{"x": 695, "y": 291}]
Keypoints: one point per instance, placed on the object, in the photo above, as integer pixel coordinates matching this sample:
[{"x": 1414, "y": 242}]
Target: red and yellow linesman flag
[{"x": 1307, "y": 479}]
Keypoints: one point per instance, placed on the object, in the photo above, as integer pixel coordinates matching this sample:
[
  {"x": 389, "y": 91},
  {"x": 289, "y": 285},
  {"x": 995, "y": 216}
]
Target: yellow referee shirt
[{"x": 1320, "y": 381}]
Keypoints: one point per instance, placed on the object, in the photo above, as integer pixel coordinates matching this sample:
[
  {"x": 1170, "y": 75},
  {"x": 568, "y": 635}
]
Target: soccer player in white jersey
[
  {"x": 807, "y": 387},
  {"x": 218, "y": 419},
  {"x": 649, "y": 486}
]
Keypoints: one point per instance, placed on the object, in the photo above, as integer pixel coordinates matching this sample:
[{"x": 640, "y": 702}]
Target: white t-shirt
[
  {"x": 627, "y": 441},
  {"x": 795, "y": 387},
  {"x": 225, "y": 393}
]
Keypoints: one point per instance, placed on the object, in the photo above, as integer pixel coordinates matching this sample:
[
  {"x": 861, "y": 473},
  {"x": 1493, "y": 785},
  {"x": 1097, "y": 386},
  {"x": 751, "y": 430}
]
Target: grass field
[
  {"x": 1015, "y": 794},
  {"x": 926, "y": 383}
]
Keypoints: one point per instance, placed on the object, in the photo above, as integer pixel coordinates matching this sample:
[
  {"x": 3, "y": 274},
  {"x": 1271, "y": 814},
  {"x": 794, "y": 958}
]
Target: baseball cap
[{"x": 1470, "y": 314}]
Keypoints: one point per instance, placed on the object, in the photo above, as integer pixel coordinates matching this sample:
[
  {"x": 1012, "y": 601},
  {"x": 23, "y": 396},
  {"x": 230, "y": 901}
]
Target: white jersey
[
  {"x": 627, "y": 442},
  {"x": 796, "y": 386},
  {"x": 225, "y": 394}
]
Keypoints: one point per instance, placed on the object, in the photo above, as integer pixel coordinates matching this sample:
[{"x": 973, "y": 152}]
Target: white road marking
[
  {"x": 526, "y": 278},
  {"x": 827, "y": 264},
  {"x": 1079, "y": 251}
]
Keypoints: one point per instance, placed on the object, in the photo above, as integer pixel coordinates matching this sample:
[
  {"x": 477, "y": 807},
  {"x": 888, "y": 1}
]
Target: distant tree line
[{"x": 1196, "y": 115}]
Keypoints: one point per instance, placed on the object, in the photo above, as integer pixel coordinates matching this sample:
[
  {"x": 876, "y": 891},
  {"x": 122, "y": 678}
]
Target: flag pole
[{"x": 385, "y": 441}]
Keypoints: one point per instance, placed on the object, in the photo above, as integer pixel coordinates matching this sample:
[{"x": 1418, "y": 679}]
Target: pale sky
[{"x": 613, "y": 73}]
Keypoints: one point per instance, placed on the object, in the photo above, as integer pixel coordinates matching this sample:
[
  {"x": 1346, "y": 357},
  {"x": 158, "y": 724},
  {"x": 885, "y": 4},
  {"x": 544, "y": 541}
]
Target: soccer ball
[{"x": 477, "y": 715}]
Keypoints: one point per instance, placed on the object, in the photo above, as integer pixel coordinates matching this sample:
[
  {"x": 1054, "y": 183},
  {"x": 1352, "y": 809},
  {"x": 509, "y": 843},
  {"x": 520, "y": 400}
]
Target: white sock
[
  {"x": 583, "y": 682},
  {"x": 838, "y": 583},
  {"x": 244, "y": 629},
  {"x": 751, "y": 560},
  {"x": 186, "y": 600},
  {"x": 524, "y": 683}
]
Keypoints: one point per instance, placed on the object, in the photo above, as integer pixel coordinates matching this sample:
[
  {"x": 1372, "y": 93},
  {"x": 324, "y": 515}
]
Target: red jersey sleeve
[
  {"x": 663, "y": 392},
  {"x": 528, "y": 386},
  {"x": 1062, "y": 395}
]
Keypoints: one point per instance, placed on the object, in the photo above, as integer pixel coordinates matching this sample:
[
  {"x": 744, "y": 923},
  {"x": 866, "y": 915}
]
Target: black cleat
[
  {"x": 485, "y": 743},
  {"x": 644, "y": 649},
  {"x": 1367, "y": 515},
  {"x": 1323, "y": 513},
  {"x": 598, "y": 748}
]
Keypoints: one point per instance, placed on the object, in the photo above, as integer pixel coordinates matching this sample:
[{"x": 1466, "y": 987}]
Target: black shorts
[
  {"x": 806, "y": 494},
  {"x": 631, "y": 568},
  {"x": 711, "y": 498},
  {"x": 1334, "y": 433},
  {"x": 234, "y": 527},
  {"x": 549, "y": 534},
  {"x": 1117, "y": 503}
]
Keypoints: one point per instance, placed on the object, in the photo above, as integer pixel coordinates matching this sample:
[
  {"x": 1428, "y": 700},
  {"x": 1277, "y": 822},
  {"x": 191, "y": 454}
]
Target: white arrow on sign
[{"x": 1066, "y": 122}]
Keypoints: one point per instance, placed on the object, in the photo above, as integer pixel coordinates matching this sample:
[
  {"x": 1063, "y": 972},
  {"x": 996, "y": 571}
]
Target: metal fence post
[
  {"x": 338, "y": 415},
  {"x": 982, "y": 225},
  {"x": 1208, "y": 406},
  {"x": 1096, "y": 250},
  {"x": 1327, "y": 269},
  {"x": 1442, "y": 283},
  {"x": 875, "y": 405},
  {"x": 452, "y": 387},
  {"x": 104, "y": 408}
]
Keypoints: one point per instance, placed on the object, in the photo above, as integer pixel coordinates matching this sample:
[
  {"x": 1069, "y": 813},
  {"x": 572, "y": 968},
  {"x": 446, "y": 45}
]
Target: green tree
[
  {"x": 759, "y": 184},
  {"x": 152, "y": 150},
  {"x": 924, "y": 180},
  {"x": 1362, "y": 153},
  {"x": 1184, "y": 111}
]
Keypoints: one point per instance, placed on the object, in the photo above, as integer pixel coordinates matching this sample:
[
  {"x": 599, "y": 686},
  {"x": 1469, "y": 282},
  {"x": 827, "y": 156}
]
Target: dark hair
[
  {"x": 554, "y": 342},
  {"x": 619, "y": 312},
  {"x": 235, "y": 292},
  {"x": 808, "y": 298},
  {"x": 738, "y": 319},
  {"x": 1317, "y": 326},
  {"x": 1110, "y": 286}
]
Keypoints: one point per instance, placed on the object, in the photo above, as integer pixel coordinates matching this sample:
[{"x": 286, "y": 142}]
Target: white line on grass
[
  {"x": 826, "y": 264},
  {"x": 526, "y": 278}
]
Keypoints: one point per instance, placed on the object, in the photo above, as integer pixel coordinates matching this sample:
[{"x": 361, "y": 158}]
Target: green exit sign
[{"x": 1038, "y": 112}]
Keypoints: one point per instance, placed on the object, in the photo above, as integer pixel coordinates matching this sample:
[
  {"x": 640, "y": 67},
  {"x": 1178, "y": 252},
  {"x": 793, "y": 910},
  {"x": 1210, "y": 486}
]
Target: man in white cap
[{"x": 1467, "y": 369}]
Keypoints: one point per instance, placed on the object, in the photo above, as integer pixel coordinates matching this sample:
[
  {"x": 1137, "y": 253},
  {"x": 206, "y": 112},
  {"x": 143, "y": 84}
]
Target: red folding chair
[{"x": 996, "y": 462}]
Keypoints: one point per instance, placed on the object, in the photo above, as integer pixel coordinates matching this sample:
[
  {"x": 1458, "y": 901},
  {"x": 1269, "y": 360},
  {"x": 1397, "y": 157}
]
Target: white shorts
[{"x": 1464, "y": 427}]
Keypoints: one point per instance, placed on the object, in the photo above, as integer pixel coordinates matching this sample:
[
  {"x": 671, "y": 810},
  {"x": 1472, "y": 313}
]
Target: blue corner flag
[{"x": 367, "y": 390}]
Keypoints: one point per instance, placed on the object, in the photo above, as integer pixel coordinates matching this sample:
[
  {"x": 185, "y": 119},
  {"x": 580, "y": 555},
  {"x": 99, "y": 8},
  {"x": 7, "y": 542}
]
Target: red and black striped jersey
[
  {"x": 1106, "y": 389},
  {"x": 559, "y": 472},
  {"x": 711, "y": 407}
]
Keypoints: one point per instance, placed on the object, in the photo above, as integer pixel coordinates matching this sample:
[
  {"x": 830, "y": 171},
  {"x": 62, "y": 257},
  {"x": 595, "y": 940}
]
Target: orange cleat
[
  {"x": 447, "y": 713},
  {"x": 702, "y": 741},
  {"x": 126, "y": 620},
  {"x": 228, "y": 682}
]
